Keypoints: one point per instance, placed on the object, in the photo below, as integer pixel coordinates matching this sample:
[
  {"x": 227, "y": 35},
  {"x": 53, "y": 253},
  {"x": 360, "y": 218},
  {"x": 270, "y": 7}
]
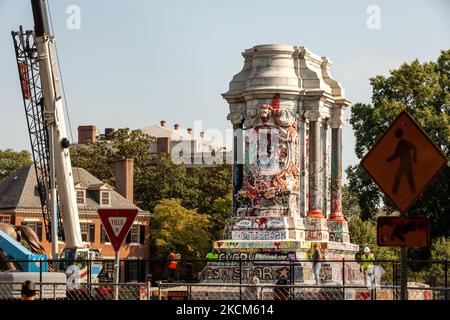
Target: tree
[
  {"x": 422, "y": 89},
  {"x": 99, "y": 157},
  {"x": 162, "y": 180},
  {"x": 96, "y": 158},
  {"x": 11, "y": 160},
  {"x": 221, "y": 213},
  {"x": 186, "y": 230},
  {"x": 434, "y": 271}
]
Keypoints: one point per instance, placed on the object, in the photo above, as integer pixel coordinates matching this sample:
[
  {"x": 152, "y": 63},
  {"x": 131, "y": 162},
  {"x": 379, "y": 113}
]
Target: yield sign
[
  {"x": 404, "y": 161},
  {"x": 117, "y": 223}
]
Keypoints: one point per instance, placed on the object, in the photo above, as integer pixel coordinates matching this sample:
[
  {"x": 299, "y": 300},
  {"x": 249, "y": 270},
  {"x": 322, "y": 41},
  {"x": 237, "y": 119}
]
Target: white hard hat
[{"x": 366, "y": 249}]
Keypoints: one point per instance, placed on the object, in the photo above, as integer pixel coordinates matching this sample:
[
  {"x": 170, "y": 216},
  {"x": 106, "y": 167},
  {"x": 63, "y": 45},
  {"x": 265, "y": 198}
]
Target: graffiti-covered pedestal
[{"x": 287, "y": 170}]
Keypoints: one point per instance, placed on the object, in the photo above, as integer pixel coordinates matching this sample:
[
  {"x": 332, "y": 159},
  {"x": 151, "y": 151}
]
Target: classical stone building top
[{"x": 292, "y": 71}]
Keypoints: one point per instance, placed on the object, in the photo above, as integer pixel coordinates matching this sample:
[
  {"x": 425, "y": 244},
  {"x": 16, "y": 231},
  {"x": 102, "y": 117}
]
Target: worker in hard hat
[
  {"x": 172, "y": 266},
  {"x": 367, "y": 266},
  {"x": 212, "y": 256}
]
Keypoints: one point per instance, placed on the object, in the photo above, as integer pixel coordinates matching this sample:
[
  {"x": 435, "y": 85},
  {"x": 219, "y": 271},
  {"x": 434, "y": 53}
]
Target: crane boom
[
  {"x": 54, "y": 118},
  {"x": 43, "y": 101}
]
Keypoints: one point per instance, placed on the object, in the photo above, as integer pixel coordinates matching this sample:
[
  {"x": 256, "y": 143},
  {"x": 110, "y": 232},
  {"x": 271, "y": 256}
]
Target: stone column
[
  {"x": 315, "y": 165},
  {"x": 238, "y": 161},
  {"x": 301, "y": 123},
  {"x": 336, "y": 169},
  {"x": 324, "y": 145}
]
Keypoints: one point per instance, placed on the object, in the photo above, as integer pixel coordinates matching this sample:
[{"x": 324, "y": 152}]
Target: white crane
[{"x": 43, "y": 101}]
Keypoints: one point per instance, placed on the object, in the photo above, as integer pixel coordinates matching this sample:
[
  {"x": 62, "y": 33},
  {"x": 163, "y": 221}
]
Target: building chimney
[
  {"x": 109, "y": 133},
  {"x": 163, "y": 123},
  {"x": 86, "y": 134},
  {"x": 176, "y": 126},
  {"x": 163, "y": 145},
  {"x": 124, "y": 178},
  {"x": 189, "y": 130}
]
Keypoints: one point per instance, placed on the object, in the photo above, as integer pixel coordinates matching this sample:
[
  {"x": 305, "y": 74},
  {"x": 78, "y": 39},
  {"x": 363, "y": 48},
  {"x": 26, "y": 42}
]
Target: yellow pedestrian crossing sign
[{"x": 404, "y": 161}]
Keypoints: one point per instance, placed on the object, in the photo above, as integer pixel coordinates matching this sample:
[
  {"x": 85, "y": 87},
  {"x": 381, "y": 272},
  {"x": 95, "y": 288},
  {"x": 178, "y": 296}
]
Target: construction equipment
[{"x": 43, "y": 101}]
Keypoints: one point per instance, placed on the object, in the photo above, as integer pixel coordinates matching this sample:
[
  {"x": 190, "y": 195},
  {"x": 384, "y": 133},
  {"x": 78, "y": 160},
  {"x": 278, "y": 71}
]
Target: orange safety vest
[{"x": 173, "y": 261}]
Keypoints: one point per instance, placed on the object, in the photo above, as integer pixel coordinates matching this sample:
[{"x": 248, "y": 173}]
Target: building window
[
  {"x": 133, "y": 270},
  {"x": 103, "y": 236},
  {"x": 5, "y": 219},
  {"x": 80, "y": 197},
  {"x": 87, "y": 232},
  {"x": 105, "y": 198},
  {"x": 84, "y": 231},
  {"x": 136, "y": 234},
  {"x": 36, "y": 226}
]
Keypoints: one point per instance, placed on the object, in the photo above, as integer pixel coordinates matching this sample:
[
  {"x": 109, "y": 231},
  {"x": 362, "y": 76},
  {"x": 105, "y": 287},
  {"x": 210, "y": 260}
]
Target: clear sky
[{"x": 133, "y": 63}]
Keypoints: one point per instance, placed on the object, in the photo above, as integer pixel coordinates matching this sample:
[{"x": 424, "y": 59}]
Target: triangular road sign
[
  {"x": 404, "y": 161},
  {"x": 117, "y": 224}
]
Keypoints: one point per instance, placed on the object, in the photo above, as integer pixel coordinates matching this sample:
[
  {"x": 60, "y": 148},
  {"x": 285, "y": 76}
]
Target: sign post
[
  {"x": 117, "y": 224},
  {"x": 403, "y": 162}
]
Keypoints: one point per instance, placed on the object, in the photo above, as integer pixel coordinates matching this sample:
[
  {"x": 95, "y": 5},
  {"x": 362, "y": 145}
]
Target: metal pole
[
  {"x": 40, "y": 279},
  {"x": 394, "y": 278},
  {"x": 116, "y": 276},
  {"x": 343, "y": 278},
  {"x": 446, "y": 278},
  {"x": 240, "y": 278},
  {"x": 90, "y": 276},
  {"x": 404, "y": 270},
  {"x": 404, "y": 274},
  {"x": 291, "y": 280}
]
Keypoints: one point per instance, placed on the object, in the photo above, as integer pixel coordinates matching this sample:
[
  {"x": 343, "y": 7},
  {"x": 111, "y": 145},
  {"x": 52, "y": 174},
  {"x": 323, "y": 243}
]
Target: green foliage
[
  {"x": 364, "y": 233},
  {"x": 11, "y": 160},
  {"x": 221, "y": 212},
  {"x": 422, "y": 89},
  {"x": 434, "y": 272},
  {"x": 174, "y": 226},
  {"x": 161, "y": 180},
  {"x": 440, "y": 250},
  {"x": 96, "y": 158}
]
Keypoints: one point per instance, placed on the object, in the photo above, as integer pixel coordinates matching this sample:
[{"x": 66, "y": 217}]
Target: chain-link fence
[
  {"x": 86, "y": 291},
  {"x": 294, "y": 292},
  {"x": 232, "y": 291},
  {"x": 231, "y": 279}
]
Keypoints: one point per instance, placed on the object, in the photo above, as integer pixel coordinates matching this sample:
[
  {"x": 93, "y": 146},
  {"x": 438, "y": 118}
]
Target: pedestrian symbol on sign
[{"x": 407, "y": 152}]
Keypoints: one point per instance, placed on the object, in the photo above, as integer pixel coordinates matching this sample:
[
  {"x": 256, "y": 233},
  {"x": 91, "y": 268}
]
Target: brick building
[
  {"x": 20, "y": 204},
  {"x": 197, "y": 150}
]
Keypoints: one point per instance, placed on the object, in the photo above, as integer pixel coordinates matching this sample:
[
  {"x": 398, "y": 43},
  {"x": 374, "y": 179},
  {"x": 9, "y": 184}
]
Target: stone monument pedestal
[
  {"x": 282, "y": 252},
  {"x": 281, "y": 104}
]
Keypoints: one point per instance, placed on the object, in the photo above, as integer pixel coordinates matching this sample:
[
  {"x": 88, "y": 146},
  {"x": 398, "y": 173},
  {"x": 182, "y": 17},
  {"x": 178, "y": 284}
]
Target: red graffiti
[{"x": 276, "y": 102}]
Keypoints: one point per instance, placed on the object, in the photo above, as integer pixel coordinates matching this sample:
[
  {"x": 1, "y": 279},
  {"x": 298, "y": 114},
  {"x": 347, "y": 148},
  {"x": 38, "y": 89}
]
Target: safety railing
[
  {"x": 342, "y": 272},
  {"x": 201, "y": 291},
  {"x": 85, "y": 291},
  {"x": 216, "y": 291}
]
